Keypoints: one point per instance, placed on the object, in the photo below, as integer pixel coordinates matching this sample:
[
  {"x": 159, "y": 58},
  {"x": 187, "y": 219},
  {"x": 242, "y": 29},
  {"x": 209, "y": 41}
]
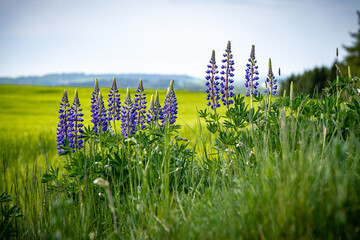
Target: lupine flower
[
  {"x": 94, "y": 102},
  {"x": 75, "y": 124},
  {"x": 128, "y": 117},
  {"x": 62, "y": 130},
  {"x": 227, "y": 73},
  {"x": 251, "y": 75},
  {"x": 150, "y": 116},
  {"x": 271, "y": 86},
  {"x": 114, "y": 104},
  {"x": 212, "y": 83},
  {"x": 99, "y": 120},
  {"x": 140, "y": 105},
  {"x": 169, "y": 110}
]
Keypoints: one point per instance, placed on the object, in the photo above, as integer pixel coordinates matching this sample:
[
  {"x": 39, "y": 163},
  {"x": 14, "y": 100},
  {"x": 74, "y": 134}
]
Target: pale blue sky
[{"x": 170, "y": 37}]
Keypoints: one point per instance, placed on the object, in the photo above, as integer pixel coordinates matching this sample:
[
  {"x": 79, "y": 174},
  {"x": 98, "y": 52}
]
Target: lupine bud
[
  {"x": 99, "y": 120},
  {"x": 251, "y": 75},
  {"x": 140, "y": 105},
  {"x": 227, "y": 73},
  {"x": 75, "y": 124},
  {"x": 114, "y": 104},
  {"x": 128, "y": 117},
  {"x": 169, "y": 110},
  {"x": 62, "y": 130},
  {"x": 270, "y": 81},
  {"x": 212, "y": 83},
  {"x": 94, "y": 102}
]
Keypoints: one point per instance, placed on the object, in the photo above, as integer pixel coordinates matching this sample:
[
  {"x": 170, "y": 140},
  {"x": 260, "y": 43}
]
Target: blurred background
[{"x": 63, "y": 42}]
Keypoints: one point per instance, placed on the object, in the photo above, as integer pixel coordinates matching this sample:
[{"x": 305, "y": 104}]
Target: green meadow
[{"x": 287, "y": 169}]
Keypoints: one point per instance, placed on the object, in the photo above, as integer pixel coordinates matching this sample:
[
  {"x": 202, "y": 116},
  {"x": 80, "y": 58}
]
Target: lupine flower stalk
[
  {"x": 251, "y": 75},
  {"x": 151, "y": 116},
  {"x": 271, "y": 85},
  {"x": 128, "y": 117},
  {"x": 94, "y": 102},
  {"x": 62, "y": 130},
  {"x": 114, "y": 104},
  {"x": 140, "y": 105},
  {"x": 169, "y": 110},
  {"x": 227, "y": 73},
  {"x": 212, "y": 83},
  {"x": 75, "y": 124},
  {"x": 99, "y": 120}
]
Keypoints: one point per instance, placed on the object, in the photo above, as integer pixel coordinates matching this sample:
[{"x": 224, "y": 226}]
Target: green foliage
[{"x": 353, "y": 57}]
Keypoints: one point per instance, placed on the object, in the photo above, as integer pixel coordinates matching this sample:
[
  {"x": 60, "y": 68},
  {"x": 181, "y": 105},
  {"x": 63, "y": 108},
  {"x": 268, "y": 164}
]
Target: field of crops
[{"x": 287, "y": 168}]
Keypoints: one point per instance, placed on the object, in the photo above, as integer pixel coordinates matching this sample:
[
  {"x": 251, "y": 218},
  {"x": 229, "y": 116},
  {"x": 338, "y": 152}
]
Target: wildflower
[
  {"x": 140, "y": 105},
  {"x": 226, "y": 77},
  {"x": 251, "y": 75},
  {"x": 94, "y": 101},
  {"x": 128, "y": 114},
  {"x": 271, "y": 86},
  {"x": 101, "y": 182},
  {"x": 99, "y": 120},
  {"x": 169, "y": 110},
  {"x": 239, "y": 144},
  {"x": 114, "y": 104},
  {"x": 62, "y": 130},
  {"x": 75, "y": 124},
  {"x": 251, "y": 153},
  {"x": 212, "y": 83}
]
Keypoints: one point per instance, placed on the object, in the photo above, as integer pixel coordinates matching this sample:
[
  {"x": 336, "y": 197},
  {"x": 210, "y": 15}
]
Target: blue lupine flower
[
  {"x": 75, "y": 124},
  {"x": 212, "y": 83},
  {"x": 169, "y": 110},
  {"x": 227, "y": 73},
  {"x": 99, "y": 120},
  {"x": 271, "y": 85},
  {"x": 251, "y": 75},
  {"x": 140, "y": 105},
  {"x": 94, "y": 103},
  {"x": 114, "y": 104},
  {"x": 128, "y": 117},
  {"x": 62, "y": 130},
  {"x": 150, "y": 116}
]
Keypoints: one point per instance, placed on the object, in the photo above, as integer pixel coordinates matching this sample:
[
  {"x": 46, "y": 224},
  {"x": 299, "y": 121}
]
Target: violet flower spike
[
  {"x": 102, "y": 118},
  {"x": 94, "y": 106},
  {"x": 251, "y": 75},
  {"x": 151, "y": 116},
  {"x": 271, "y": 85},
  {"x": 62, "y": 130},
  {"x": 114, "y": 104},
  {"x": 128, "y": 117},
  {"x": 169, "y": 110},
  {"x": 76, "y": 124},
  {"x": 227, "y": 74},
  {"x": 140, "y": 105},
  {"x": 212, "y": 83}
]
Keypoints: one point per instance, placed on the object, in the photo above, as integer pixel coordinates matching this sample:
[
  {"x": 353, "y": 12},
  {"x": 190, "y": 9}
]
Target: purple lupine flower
[
  {"x": 94, "y": 106},
  {"x": 62, "y": 130},
  {"x": 212, "y": 83},
  {"x": 128, "y": 117},
  {"x": 75, "y": 124},
  {"x": 251, "y": 75},
  {"x": 114, "y": 104},
  {"x": 271, "y": 85},
  {"x": 99, "y": 120},
  {"x": 169, "y": 110},
  {"x": 227, "y": 73},
  {"x": 150, "y": 116},
  {"x": 140, "y": 105}
]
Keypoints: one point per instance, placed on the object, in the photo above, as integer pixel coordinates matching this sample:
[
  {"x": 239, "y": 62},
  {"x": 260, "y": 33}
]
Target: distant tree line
[{"x": 314, "y": 80}]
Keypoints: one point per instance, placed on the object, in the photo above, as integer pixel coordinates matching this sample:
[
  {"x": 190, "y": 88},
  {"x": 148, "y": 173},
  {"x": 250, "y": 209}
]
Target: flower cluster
[
  {"x": 227, "y": 73},
  {"x": 75, "y": 124},
  {"x": 140, "y": 105},
  {"x": 271, "y": 85},
  {"x": 62, "y": 130},
  {"x": 128, "y": 117},
  {"x": 154, "y": 110},
  {"x": 114, "y": 104},
  {"x": 212, "y": 83},
  {"x": 251, "y": 75},
  {"x": 94, "y": 102},
  {"x": 169, "y": 111},
  {"x": 70, "y": 125}
]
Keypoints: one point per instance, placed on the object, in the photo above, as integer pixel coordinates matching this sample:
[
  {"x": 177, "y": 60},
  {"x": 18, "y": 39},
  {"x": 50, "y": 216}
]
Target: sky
[{"x": 39, "y": 37}]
